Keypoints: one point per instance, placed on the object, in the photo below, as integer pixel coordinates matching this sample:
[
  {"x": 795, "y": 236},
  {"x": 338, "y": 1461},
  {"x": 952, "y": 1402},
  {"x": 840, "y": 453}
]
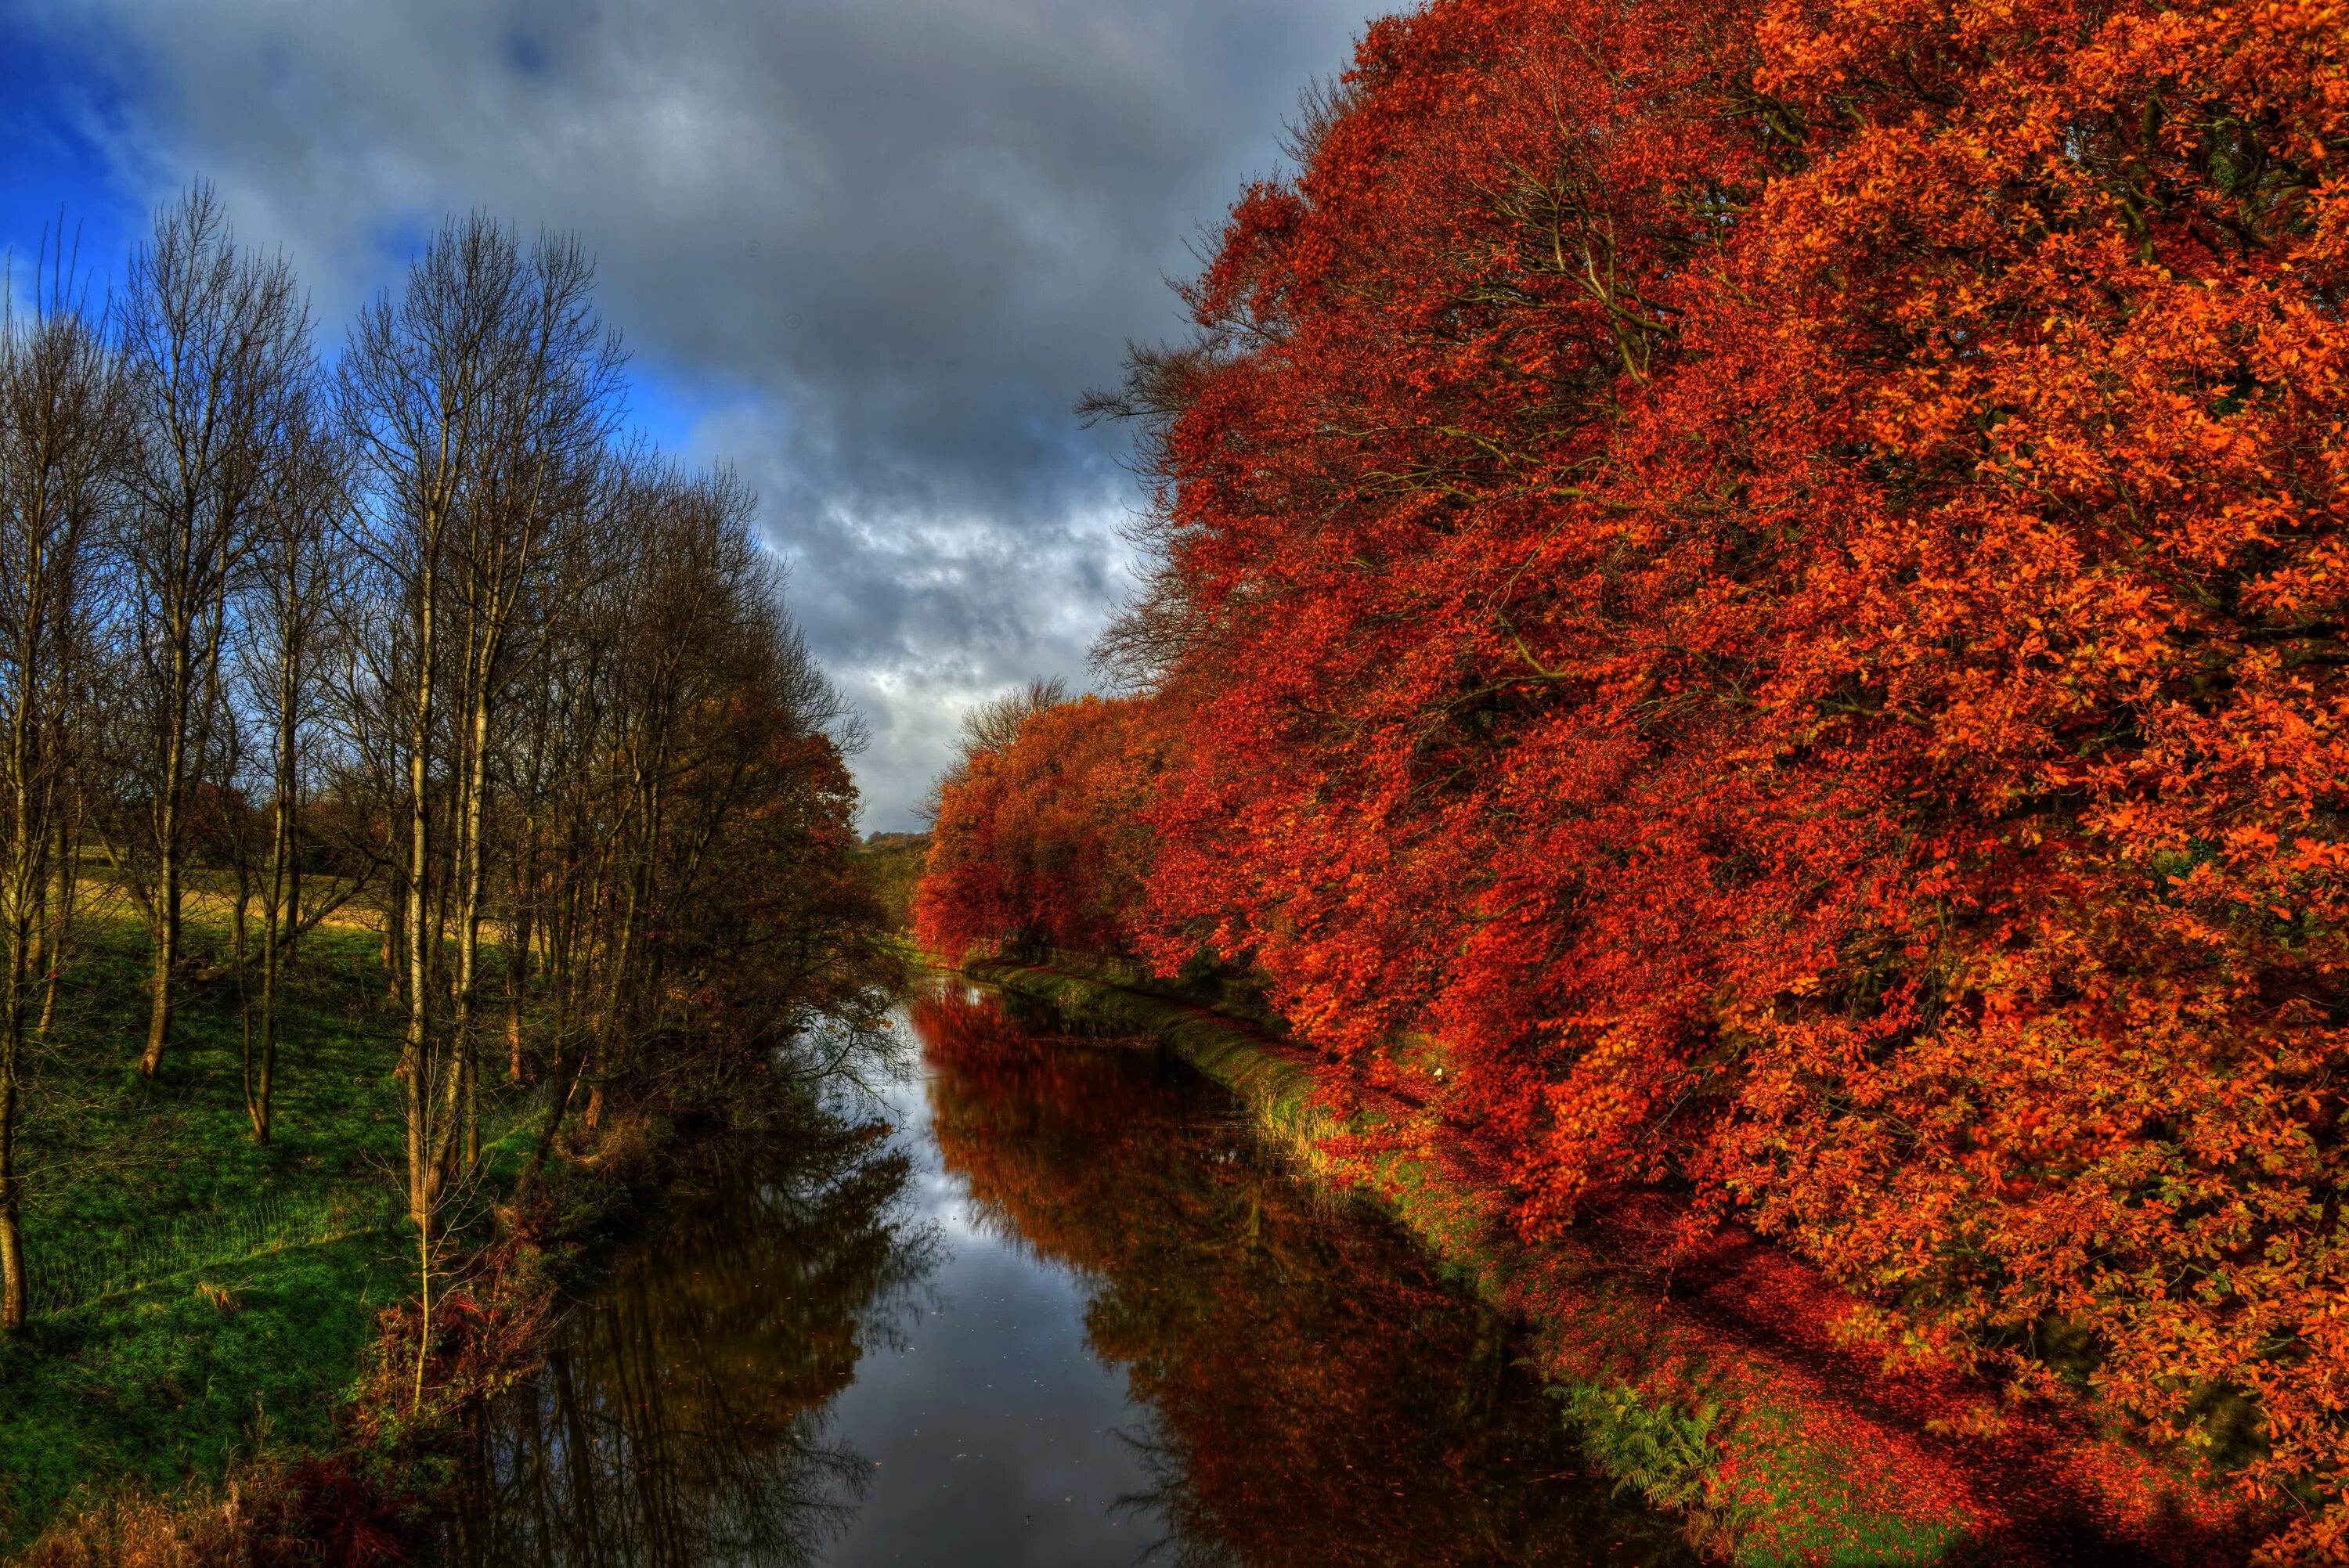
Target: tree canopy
[{"x": 1751, "y": 599}]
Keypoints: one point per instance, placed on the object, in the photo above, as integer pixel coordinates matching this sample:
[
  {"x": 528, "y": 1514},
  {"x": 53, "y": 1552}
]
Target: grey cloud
[{"x": 889, "y": 242}]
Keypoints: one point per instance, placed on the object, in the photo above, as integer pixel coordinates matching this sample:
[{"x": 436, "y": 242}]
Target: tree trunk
[
  {"x": 168, "y": 827},
  {"x": 517, "y": 975},
  {"x": 240, "y": 923},
  {"x": 423, "y": 1189},
  {"x": 167, "y": 958},
  {"x": 394, "y": 913},
  {"x": 61, "y": 911},
  {"x": 28, "y": 834},
  {"x": 274, "y": 906},
  {"x": 281, "y": 904},
  {"x": 15, "y": 1291},
  {"x": 615, "y": 997},
  {"x": 469, "y": 914},
  {"x": 266, "y": 1078}
]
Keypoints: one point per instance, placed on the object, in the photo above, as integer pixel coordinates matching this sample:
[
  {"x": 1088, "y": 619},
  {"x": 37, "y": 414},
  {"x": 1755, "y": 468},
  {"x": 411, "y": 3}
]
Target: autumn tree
[
  {"x": 1039, "y": 836},
  {"x": 1759, "y": 587}
]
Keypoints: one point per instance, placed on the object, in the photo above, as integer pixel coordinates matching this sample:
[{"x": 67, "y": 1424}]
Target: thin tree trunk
[
  {"x": 422, "y": 1190},
  {"x": 27, "y": 841},
  {"x": 292, "y": 879},
  {"x": 167, "y": 958},
  {"x": 266, "y": 1078},
  {"x": 281, "y": 904},
  {"x": 241, "y": 917},
  {"x": 395, "y": 913},
  {"x": 607, "y": 1027},
  {"x": 167, "y": 865},
  {"x": 469, "y": 915},
  {"x": 274, "y": 906},
  {"x": 61, "y": 910},
  {"x": 14, "y": 1290},
  {"x": 40, "y": 927}
]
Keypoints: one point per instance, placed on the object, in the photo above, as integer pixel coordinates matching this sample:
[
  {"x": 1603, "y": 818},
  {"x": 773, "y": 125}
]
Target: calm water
[{"x": 1065, "y": 1312}]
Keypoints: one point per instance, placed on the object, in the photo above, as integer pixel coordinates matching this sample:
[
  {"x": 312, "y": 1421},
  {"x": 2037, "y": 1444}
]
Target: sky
[{"x": 868, "y": 252}]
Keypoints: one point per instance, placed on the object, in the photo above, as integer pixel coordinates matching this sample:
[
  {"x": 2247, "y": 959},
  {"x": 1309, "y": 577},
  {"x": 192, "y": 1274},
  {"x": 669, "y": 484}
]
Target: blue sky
[
  {"x": 51, "y": 165},
  {"x": 866, "y": 251}
]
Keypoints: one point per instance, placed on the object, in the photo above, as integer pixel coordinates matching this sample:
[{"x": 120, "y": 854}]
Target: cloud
[{"x": 868, "y": 251}]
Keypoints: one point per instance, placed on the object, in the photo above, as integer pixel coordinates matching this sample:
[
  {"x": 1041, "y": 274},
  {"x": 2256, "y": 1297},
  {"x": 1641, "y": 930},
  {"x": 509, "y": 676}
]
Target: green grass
[
  {"x": 161, "y": 1386},
  {"x": 165, "y": 1384}
]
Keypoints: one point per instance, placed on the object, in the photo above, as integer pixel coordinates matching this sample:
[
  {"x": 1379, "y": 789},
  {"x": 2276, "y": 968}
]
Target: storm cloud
[{"x": 866, "y": 253}]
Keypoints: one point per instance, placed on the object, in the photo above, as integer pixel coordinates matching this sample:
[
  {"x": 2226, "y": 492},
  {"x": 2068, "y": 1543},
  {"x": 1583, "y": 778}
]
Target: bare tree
[
  {"x": 213, "y": 340},
  {"x": 481, "y": 403},
  {"x": 298, "y": 581},
  {"x": 426, "y": 618},
  {"x": 60, "y": 432},
  {"x": 418, "y": 393},
  {"x": 525, "y": 550}
]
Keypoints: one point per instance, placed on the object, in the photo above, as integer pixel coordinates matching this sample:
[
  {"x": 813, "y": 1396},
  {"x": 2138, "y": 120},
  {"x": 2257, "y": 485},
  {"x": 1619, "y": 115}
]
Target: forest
[
  {"x": 411, "y": 781},
  {"x": 1748, "y": 603}
]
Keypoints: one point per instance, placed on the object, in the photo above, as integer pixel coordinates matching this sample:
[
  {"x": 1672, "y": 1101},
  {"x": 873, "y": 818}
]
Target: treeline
[
  {"x": 1753, "y": 600},
  {"x": 414, "y": 631},
  {"x": 894, "y": 862}
]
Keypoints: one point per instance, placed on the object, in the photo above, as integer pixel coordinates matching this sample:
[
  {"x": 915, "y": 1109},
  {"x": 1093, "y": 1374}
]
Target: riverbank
[
  {"x": 198, "y": 1298},
  {"x": 209, "y": 1361},
  {"x": 1739, "y": 1389},
  {"x": 375, "y": 1489}
]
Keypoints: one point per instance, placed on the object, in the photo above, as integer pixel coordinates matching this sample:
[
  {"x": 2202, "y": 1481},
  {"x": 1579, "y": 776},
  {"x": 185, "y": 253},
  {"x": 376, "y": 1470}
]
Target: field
[{"x": 254, "y": 1274}]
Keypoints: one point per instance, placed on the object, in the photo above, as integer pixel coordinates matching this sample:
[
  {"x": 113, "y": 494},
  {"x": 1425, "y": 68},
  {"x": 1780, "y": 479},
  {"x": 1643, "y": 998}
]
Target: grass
[
  {"x": 213, "y": 1358},
  {"x": 105, "y": 1147},
  {"x": 168, "y": 1384}
]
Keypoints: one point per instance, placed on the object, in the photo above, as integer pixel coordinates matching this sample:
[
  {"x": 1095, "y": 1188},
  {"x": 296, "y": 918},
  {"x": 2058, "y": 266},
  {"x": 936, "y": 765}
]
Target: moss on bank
[{"x": 1740, "y": 1405}]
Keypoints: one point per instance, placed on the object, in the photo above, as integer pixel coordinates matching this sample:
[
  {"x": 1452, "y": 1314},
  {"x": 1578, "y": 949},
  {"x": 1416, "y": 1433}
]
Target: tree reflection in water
[
  {"x": 682, "y": 1418},
  {"x": 1302, "y": 1391},
  {"x": 1319, "y": 1396}
]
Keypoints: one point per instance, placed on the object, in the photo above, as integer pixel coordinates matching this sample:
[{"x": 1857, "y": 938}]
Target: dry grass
[
  {"x": 223, "y": 1299},
  {"x": 246, "y": 1525}
]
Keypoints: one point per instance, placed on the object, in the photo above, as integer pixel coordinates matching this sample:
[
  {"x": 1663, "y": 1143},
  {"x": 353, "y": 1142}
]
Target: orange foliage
[
  {"x": 1039, "y": 844},
  {"x": 1767, "y": 585}
]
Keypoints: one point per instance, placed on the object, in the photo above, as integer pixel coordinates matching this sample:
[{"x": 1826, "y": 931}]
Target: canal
[{"x": 1044, "y": 1303}]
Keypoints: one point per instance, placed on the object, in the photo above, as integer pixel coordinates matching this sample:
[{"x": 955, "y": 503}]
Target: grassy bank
[
  {"x": 256, "y": 1273},
  {"x": 1738, "y": 1390}
]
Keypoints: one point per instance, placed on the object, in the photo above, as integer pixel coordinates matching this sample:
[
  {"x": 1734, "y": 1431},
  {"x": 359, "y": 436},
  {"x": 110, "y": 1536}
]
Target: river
[{"x": 1055, "y": 1306}]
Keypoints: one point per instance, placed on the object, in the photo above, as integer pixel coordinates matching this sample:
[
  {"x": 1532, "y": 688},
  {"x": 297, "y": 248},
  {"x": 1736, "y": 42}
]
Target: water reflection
[
  {"x": 1072, "y": 1313},
  {"x": 683, "y": 1418},
  {"x": 1316, "y": 1395}
]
